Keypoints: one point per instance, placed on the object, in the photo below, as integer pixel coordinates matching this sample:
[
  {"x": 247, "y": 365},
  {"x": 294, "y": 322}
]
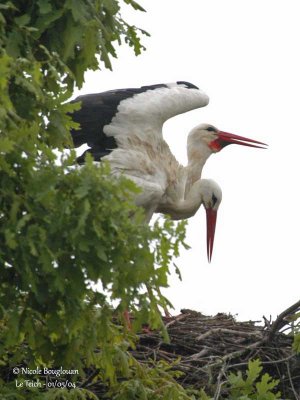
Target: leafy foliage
[
  {"x": 251, "y": 385},
  {"x": 64, "y": 230}
]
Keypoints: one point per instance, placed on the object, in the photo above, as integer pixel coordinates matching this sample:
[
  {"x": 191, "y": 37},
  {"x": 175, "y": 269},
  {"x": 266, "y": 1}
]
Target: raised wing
[{"x": 116, "y": 118}]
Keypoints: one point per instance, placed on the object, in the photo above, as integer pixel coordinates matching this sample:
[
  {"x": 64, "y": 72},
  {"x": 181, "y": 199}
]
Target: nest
[{"x": 208, "y": 348}]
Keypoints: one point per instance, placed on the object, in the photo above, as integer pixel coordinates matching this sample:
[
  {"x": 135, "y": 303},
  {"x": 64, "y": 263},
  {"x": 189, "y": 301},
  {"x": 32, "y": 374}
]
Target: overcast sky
[{"x": 245, "y": 56}]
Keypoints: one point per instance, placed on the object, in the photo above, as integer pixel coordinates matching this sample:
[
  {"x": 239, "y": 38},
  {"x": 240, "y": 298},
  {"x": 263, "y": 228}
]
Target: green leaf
[
  {"x": 14, "y": 43},
  {"x": 135, "y": 5},
  {"x": 6, "y": 145},
  {"x": 254, "y": 370},
  {"x": 252, "y": 387},
  {"x": 296, "y": 343},
  {"x": 79, "y": 10},
  {"x": 23, "y": 19},
  {"x": 265, "y": 386},
  {"x": 203, "y": 395},
  {"x": 71, "y": 40},
  {"x": 111, "y": 6},
  {"x": 45, "y": 6},
  {"x": 101, "y": 254},
  {"x": 45, "y": 20},
  {"x": 10, "y": 239},
  {"x": 13, "y": 328}
]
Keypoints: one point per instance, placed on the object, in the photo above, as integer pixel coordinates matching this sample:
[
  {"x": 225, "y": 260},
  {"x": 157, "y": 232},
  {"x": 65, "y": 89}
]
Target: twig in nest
[
  {"x": 219, "y": 382},
  {"x": 271, "y": 362},
  {"x": 226, "y": 330},
  {"x": 267, "y": 322},
  {"x": 297, "y": 397}
]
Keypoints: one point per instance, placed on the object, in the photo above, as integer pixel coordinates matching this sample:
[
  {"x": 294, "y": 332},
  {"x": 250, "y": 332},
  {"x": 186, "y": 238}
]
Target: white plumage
[{"x": 125, "y": 127}]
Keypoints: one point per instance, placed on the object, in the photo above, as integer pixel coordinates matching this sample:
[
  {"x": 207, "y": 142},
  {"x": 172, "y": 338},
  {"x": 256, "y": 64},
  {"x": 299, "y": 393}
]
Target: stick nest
[{"x": 208, "y": 348}]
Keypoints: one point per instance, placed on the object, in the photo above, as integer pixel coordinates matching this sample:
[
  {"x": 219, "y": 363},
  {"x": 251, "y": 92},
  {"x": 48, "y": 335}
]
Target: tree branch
[{"x": 281, "y": 320}]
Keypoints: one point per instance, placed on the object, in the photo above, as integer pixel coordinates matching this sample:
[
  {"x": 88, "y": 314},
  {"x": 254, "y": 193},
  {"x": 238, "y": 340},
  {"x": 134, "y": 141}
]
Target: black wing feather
[{"x": 98, "y": 110}]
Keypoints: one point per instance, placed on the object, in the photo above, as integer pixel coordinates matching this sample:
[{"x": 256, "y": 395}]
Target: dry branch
[{"x": 283, "y": 319}]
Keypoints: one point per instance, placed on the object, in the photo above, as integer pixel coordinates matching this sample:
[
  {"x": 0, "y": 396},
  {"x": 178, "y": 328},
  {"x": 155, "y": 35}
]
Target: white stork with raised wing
[{"x": 124, "y": 126}]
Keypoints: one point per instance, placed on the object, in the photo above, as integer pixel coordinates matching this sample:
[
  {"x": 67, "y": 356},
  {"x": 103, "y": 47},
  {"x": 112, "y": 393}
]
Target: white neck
[
  {"x": 186, "y": 207},
  {"x": 198, "y": 153}
]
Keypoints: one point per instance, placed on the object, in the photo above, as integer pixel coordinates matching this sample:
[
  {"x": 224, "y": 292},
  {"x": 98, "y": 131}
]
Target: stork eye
[
  {"x": 214, "y": 199},
  {"x": 211, "y": 129}
]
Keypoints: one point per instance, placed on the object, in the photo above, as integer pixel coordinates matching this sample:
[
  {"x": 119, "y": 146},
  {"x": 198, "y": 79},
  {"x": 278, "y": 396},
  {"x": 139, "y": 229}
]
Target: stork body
[{"x": 125, "y": 127}]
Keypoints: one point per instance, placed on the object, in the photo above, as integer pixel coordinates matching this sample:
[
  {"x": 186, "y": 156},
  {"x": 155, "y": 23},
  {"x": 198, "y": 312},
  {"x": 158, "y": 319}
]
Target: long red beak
[
  {"x": 211, "y": 219},
  {"x": 226, "y": 138}
]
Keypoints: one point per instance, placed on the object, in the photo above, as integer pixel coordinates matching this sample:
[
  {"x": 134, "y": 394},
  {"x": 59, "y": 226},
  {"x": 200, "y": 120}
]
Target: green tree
[{"x": 62, "y": 229}]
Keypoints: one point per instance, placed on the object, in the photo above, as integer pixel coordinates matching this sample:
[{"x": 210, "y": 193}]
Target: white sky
[{"x": 245, "y": 56}]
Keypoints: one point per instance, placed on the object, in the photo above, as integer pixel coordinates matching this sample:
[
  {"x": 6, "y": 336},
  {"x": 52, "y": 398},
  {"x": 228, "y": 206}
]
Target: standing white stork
[{"x": 124, "y": 126}]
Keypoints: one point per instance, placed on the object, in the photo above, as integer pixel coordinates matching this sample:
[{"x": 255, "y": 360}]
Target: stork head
[
  {"x": 215, "y": 140},
  {"x": 211, "y": 194}
]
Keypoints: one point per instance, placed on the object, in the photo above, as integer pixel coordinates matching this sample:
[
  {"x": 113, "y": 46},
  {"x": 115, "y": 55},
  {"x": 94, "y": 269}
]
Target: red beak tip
[{"x": 211, "y": 219}]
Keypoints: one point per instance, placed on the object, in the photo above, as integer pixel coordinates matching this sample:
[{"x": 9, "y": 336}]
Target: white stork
[{"x": 124, "y": 126}]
